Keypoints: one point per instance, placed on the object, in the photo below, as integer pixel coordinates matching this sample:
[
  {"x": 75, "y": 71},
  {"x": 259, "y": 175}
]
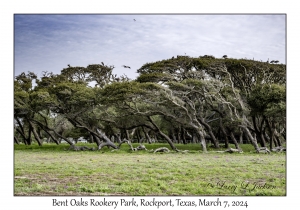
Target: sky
[{"x": 49, "y": 42}]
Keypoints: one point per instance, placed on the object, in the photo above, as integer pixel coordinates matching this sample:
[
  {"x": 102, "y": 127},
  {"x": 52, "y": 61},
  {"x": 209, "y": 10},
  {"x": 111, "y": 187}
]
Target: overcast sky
[{"x": 51, "y": 42}]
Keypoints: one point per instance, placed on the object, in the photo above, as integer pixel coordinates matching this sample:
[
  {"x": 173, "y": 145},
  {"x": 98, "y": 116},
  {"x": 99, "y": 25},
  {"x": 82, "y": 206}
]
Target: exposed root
[
  {"x": 231, "y": 150},
  {"x": 140, "y": 147},
  {"x": 162, "y": 149},
  {"x": 108, "y": 144},
  {"x": 279, "y": 149},
  {"x": 263, "y": 150}
]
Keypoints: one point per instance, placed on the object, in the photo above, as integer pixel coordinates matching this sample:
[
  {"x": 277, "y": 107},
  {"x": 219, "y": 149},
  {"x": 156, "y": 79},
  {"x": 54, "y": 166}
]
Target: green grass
[{"x": 50, "y": 170}]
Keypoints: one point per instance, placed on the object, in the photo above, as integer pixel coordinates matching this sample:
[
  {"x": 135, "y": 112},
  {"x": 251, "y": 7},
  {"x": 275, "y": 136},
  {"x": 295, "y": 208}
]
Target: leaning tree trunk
[
  {"x": 95, "y": 139},
  {"x": 183, "y": 136},
  {"x": 36, "y": 136},
  {"x": 51, "y": 136},
  {"x": 127, "y": 134},
  {"x": 198, "y": 130},
  {"x": 224, "y": 133},
  {"x": 102, "y": 135},
  {"x": 47, "y": 129},
  {"x": 258, "y": 132},
  {"x": 99, "y": 134},
  {"x": 178, "y": 134},
  {"x": 194, "y": 138},
  {"x": 241, "y": 136},
  {"x": 22, "y": 135},
  {"x": 146, "y": 135},
  {"x": 202, "y": 140},
  {"x": 16, "y": 140},
  {"x": 262, "y": 133},
  {"x": 173, "y": 135},
  {"x": 210, "y": 132},
  {"x": 163, "y": 135},
  {"x": 138, "y": 136},
  {"x": 253, "y": 141},
  {"x": 272, "y": 135},
  {"x": 21, "y": 131},
  {"x": 109, "y": 144},
  {"x": 168, "y": 140},
  {"x": 91, "y": 138},
  {"x": 277, "y": 138},
  {"x": 234, "y": 141}
]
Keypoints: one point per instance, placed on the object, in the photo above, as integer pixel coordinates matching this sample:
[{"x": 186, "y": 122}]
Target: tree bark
[
  {"x": 146, "y": 135},
  {"x": 253, "y": 141},
  {"x": 16, "y": 140},
  {"x": 202, "y": 140},
  {"x": 91, "y": 138},
  {"x": 51, "y": 136},
  {"x": 241, "y": 136},
  {"x": 138, "y": 135},
  {"x": 183, "y": 134},
  {"x": 208, "y": 128},
  {"x": 23, "y": 135},
  {"x": 178, "y": 135},
  {"x": 96, "y": 139},
  {"x": 21, "y": 131},
  {"x": 164, "y": 135},
  {"x": 127, "y": 134},
  {"x": 45, "y": 127},
  {"x": 194, "y": 138},
  {"x": 258, "y": 132},
  {"x": 173, "y": 135},
  {"x": 277, "y": 138},
  {"x": 36, "y": 136},
  {"x": 224, "y": 133},
  {"x": 271, "y": 130},
  {"x": 109, "y": 143},
  {"x": 235, "y": 141}
]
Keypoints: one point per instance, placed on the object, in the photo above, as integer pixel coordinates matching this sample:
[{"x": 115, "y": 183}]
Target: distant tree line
[{"x": 179, "y": 100}]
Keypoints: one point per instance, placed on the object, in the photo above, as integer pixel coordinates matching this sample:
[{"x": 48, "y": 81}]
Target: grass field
[{"x": 50, "y": 170}]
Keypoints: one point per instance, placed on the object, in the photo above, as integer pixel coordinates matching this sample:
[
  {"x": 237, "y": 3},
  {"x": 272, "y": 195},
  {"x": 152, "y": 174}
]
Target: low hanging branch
[
  {"x": 279, "y": 149},
  {"x": 231, "y": 150},
  {"x": 140, "y": 147},
  {"x": 161, "y": 149},
  {"x": 263, "y": 150},
  {"x": 109, "y": 144},
  {"x": 47, "y": 129}
]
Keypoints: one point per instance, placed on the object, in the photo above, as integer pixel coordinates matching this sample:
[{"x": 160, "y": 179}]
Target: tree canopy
[{"x": 179, "y": 100}]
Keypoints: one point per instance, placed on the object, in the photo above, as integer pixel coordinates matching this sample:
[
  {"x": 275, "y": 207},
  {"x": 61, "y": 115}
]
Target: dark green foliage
[
  {"x": 202, "y": 97},
  {"x": 268, "y": 100}
]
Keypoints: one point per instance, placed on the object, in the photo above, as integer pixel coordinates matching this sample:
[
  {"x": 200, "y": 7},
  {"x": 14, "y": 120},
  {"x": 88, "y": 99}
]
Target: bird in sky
[
  {"x": 69, "y": 65},
  {"x": 134, "y": 19},
  {"x": 126, "y": 67}
]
